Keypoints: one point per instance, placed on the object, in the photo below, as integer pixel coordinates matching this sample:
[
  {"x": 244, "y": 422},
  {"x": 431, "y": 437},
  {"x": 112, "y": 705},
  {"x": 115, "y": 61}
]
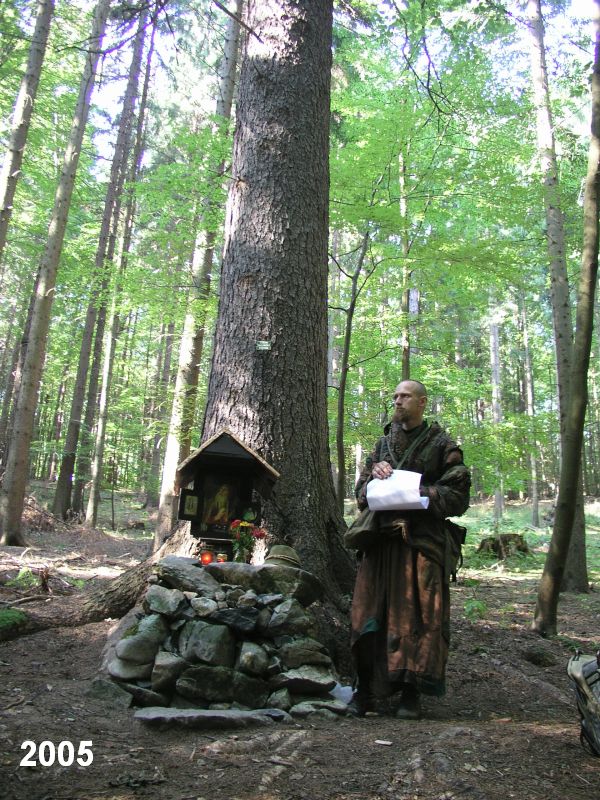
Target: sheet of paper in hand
[{"x": 397, "y": 493}]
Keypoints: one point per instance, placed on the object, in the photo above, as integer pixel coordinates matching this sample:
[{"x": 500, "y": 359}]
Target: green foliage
[
  {"x": 24, "y": 580},
  {"x": 475, "y": 609},
  {"x": 11, "y": 618}
]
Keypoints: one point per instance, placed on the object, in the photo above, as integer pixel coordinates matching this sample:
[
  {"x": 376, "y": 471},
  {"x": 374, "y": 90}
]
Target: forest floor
[{"x": 507, "y": 727}]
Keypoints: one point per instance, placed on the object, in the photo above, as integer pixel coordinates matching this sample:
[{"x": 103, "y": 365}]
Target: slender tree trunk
[
  {"x": 15, "y": 481},
  {"x": 552, "y": 577},
  {"x": 97, "y": 307},
  {"x": 115, "y": 324},
  {"x": 192, "y": 340},
  {"x": 559, "y": 280},
  {"x": 11, "y": 170},
  {"x": 530, "y": 405},
  {"x": 496, "y": 418},
  {"x": 344, "y": 367},
  {"x": 275, "y": 255}
]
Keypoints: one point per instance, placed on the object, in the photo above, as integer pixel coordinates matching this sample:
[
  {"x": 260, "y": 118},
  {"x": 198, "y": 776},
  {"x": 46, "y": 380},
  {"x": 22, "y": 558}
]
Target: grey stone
[
  {"x": 211, "y": 684},
  {"x": 203, "y": 606},
  {"x": 211, "y": 644},
  {"x": 241, "y": 620},
  {"x": 250, "y": 691},
  {"x": 109, "y": 693},
  {"x": 275, "y": 666},
  {"x": 269, "y": 579},
  {"x": 269, "y": 600},
  {"x": 233, "y": 595},
  {"x": 141, "y": 643},
  {"x": 304, "y": 651},
  {"x": 248, "y": 598},
  {"x": 305, "y": 680},
  {"x": 303, "y": 710},
  {"x": 186, "y": 574},
  {"x": 145, "y": 697},
  {"x": 280, "y": 699},
  {"x": 167, "y": 668},
  {"x": 220, "y": 596},
  {"x": 222, "y": 685},
  {"x": 263, "y": 620},
  {"x": 117, "y": 632},
  {"x": 128, "y": 671},
  {"x": 179, "y": 701},
  {"x": 290, "y": 618},
  {"x": 205, "y": 719},
  {"x": 308, "y": 706},
  {"x": 253, "y": 659},
  {"x": 161, "y": 600}
]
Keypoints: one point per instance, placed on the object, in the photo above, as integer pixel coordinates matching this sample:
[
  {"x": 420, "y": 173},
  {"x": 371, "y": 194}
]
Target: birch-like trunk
[
  {"x": 15, "y": 481},
  {"x": 23, "y": 110},
  {"x": 545, "y": 619},
  {"x": 95, "y": 321},
  {"x": 127, "y": 116},
  {"x": 532, "y": 444},
  {"x": 575, "y": 575},
  {"x": 496, "y": 416}
]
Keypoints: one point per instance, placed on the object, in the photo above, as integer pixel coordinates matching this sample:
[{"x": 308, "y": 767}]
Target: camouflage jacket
[{"x": 445, "y": 480}]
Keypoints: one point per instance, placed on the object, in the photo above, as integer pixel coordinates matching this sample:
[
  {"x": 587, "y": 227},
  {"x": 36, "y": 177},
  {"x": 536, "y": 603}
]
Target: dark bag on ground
[
  {"x": 362, "y": 533},
  {"x": 584, "y": 673},
  {"x": 454, "y": 542}
]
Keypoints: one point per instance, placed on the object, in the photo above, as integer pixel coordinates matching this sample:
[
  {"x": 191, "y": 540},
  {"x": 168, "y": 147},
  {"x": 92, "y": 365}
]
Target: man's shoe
[
  {"x": 359, "y": 705},
  {"x": 410, "y": 705}
]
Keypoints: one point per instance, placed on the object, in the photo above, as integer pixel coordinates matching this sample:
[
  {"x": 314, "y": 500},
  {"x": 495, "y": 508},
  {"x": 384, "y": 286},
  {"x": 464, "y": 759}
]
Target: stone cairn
[{"x": 224, "y": 645}]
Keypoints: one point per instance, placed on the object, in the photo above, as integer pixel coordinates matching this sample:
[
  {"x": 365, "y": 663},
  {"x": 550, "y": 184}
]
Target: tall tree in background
[
  {"x": 575, "y": 575},
  {"x": 126, "y": 127},
  {"x": 12, "y": 494},
  {"x": 552, "y": 577},
  {"x": 274, "y": 279},
  {"x": 11, "y": 169},
  {"x": 192, "y": 339}
]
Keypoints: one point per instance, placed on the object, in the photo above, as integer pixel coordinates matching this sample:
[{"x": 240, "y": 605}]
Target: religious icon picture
[
  {"x": 189, "y": 505},
  {"x": 220, "y": 500}
]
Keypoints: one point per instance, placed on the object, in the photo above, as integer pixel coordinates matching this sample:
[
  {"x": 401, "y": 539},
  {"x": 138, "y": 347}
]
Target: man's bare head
[{"x": 410, "y": 399}]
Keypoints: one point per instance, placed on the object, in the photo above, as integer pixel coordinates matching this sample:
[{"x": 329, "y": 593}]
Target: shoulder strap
[{"x": 398, "y": 464}]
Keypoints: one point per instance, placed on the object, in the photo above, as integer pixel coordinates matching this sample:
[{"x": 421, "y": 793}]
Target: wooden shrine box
[{"x": 222, "y": 480}]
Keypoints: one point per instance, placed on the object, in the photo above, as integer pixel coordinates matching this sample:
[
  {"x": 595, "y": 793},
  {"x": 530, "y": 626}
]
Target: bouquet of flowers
[{"x": 244, "y": 536}]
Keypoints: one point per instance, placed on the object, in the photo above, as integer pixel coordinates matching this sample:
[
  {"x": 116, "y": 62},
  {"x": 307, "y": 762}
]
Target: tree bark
[
  {"x": 530, "y": 406},
  {"x": 496, "y": 416},
  {"x": 11, "y": 170},
  {"x": 274, "y": 280},
  {"x": 190, "y": 352},
  {"x": 552, "y": 577},
  {"x": 355, "y": 289},
  {"x": 126, "y": 127},
  {"x": 559, "y": 279},
  {"x": 15, "y": 481}
]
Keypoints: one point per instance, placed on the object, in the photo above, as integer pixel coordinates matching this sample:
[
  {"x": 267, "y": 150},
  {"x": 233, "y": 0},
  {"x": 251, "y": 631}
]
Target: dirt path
[{"x": 506, "y": 728}]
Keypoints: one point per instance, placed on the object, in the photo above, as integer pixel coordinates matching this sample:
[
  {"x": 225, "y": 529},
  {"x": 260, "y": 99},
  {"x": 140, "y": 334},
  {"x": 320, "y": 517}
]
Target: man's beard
[{"x": 399, "y": 415}]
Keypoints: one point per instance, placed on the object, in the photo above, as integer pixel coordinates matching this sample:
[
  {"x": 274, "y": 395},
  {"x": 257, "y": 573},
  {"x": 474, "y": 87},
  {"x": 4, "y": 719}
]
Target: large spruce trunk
[{"x": 274, "y": 279}]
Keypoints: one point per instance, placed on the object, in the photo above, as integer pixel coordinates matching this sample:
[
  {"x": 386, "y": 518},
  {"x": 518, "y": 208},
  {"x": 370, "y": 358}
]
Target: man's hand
[{"x": 381, "y": 470}]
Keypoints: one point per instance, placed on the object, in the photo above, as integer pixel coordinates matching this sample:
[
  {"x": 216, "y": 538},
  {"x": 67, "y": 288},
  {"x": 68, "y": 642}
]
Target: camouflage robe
[{"x": 401, "y": 604}]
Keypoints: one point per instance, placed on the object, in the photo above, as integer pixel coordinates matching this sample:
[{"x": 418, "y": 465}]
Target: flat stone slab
[
  {"x": 207, "y": 719},
  {"x": 268, "y": 579}
]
